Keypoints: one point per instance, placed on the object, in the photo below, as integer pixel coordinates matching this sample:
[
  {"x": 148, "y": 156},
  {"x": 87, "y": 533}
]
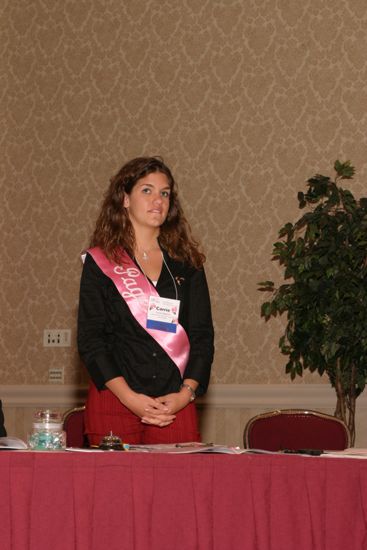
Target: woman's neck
[
  {"x": 146, "y": 241},
  {"x": 148, "y": 253}
]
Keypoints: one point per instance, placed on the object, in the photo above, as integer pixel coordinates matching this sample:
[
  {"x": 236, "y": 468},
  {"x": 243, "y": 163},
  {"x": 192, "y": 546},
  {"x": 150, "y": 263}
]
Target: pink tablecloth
[{"x": 73, "y": 501}]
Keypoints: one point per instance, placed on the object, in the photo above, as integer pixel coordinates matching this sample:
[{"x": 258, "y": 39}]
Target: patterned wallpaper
[{"x": 243, "y": 99}]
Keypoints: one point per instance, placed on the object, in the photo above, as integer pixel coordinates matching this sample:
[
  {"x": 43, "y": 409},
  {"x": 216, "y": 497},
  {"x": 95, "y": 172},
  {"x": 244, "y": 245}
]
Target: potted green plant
[{"x": 324, "y": 258}]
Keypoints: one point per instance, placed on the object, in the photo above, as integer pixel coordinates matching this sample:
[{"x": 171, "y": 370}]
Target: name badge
[{"x": 163, "y": 314}]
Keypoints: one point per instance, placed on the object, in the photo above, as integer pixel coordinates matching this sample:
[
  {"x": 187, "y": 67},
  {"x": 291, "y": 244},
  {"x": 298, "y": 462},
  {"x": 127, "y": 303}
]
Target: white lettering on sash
[{"x": 129, "y": 282}]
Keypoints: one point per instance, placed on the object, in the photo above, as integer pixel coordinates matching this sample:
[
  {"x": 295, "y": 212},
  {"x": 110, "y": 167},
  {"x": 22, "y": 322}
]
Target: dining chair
[
  {"x": 73, "y": 424},
  {"x": 295, "y": 429}
]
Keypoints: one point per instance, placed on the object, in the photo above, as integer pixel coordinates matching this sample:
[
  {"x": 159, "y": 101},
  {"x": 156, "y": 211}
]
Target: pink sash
[{"x": 130, "y": 282}]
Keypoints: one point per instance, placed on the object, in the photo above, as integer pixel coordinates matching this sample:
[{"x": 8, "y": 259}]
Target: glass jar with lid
[{"x": 47, "y": 433}]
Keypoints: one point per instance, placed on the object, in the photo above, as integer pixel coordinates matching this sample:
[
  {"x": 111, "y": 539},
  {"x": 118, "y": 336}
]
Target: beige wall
[{"x": 244, "y": 99}]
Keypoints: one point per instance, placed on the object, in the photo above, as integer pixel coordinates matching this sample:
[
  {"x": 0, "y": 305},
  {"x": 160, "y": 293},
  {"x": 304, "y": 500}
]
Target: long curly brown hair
[{"x": 114, "y": 230}]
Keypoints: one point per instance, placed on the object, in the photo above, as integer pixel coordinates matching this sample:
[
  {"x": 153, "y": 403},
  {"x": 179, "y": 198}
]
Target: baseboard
[{"x": 234, "y": 396}]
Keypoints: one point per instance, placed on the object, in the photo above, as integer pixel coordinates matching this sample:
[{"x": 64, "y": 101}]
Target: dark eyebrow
[{"x": 151, "y": 185}]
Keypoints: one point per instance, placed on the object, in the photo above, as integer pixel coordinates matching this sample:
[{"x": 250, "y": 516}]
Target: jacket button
[
  {"x": 154, "y": 376},
  {"x": 154, "y": 354}
]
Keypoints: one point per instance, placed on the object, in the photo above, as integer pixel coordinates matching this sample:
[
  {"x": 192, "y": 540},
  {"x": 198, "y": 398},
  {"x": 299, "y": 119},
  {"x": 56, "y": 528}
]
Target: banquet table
[{"x": 126, "y": 500}]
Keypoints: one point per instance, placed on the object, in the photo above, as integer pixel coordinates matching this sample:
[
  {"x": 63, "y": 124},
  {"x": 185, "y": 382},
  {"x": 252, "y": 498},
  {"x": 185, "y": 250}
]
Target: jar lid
[{"x": 48, "y": 416}]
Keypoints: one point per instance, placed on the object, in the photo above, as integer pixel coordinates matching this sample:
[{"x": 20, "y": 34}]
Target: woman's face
[{"x": 149, "y": 200}]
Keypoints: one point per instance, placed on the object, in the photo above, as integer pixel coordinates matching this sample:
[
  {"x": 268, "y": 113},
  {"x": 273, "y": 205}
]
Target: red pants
[{"x": 105, "y": 413}]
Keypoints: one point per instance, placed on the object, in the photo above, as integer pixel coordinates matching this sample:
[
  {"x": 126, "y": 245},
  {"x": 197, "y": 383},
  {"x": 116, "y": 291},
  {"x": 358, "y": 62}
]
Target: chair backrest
[
  {"x": 295, "y": 429},
  {"x": 73, "y": 424}
]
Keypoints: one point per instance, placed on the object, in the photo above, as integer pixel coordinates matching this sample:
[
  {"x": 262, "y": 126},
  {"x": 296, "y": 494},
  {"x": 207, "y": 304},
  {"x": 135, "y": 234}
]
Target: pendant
[{"x": 145, "y": 256}]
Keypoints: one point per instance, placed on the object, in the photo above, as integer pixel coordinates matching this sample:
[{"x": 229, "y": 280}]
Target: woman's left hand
[{"x": 175, "y": 401}]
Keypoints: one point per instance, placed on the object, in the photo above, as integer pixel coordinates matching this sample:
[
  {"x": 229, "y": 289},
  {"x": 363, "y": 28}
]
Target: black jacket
[
  {"x": 112, "y": 343},
  {"x": 2, "y": 427}
]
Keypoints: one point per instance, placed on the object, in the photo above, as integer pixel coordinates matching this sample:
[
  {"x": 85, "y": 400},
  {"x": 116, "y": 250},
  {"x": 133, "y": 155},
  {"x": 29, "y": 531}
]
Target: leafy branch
[{"x": 324, "y": 258}]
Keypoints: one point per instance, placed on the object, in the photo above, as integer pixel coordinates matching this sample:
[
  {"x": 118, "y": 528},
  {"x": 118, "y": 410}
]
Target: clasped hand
[{"x": 158, "y": 411}]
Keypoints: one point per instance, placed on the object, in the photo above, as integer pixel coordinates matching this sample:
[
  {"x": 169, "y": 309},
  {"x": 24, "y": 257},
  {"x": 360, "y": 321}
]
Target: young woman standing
[{"x": 145, "y": 329}]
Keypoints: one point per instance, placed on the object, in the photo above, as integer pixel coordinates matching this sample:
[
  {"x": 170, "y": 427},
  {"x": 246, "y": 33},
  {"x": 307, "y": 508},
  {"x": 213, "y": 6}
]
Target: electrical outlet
[
  {"x": 56, "y": 375},
  {"x": 57, "y": 338}
]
